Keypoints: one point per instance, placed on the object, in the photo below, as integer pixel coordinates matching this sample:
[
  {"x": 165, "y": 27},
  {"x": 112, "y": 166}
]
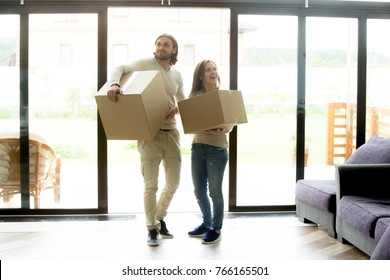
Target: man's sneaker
[
  {"x": 153, "y": 237},
  {"x": 199, "y": 231},
  {"x": 164, "y": 232},
  {"x": 212, "y": 236}
]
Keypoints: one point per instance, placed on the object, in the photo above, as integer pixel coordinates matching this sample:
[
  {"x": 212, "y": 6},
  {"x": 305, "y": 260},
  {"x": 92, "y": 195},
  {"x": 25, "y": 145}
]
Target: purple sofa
[
  {"x": 355, "y": 207},
  {"x": 315, "y": 202},
  {"x": 382, "y": 249},
  {"x": 363, "y": 205}
]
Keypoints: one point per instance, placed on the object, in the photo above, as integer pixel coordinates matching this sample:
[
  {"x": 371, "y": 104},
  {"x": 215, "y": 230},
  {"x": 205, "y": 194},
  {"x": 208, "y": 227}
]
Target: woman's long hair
[{"x": 197, "y": 82}]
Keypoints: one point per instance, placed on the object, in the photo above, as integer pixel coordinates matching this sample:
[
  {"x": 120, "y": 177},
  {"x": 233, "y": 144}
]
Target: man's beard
[{"x": 163, "y": 56}]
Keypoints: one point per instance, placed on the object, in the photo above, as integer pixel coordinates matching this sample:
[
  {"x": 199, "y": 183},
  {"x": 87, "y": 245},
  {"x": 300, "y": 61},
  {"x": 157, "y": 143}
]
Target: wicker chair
[{"x": 45, "y": 168}]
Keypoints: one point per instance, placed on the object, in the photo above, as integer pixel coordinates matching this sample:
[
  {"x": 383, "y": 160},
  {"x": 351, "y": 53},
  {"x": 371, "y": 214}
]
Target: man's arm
[
  {"x": 117, "y": 73},
  {"x": 114, "y": 80}
]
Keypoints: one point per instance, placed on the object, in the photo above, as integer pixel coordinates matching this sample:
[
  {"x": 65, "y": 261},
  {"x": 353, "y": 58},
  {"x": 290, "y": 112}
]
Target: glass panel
[
  {"x": 62, "y": 108},
  {"x": 330, "y": 93},
  {"x": 378, "y": 82},
  {"x": 9, "y": 110},
  {"x": 267, "y": 78},
  {"x": 198, "y": 39}
]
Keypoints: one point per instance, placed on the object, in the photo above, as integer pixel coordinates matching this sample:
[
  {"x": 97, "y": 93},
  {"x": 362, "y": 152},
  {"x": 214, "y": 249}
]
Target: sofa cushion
[
  {"x": 318, "y": 193},
  {"x": 363, "y": 212},
  {"x": 382, "y": 250},
  {"x": 381, "y": 227},
  {"x": 375, "y": 150}
]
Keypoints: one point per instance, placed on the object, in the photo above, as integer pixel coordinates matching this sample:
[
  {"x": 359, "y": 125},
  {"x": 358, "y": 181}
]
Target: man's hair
[{"x": 175, "y": 46}]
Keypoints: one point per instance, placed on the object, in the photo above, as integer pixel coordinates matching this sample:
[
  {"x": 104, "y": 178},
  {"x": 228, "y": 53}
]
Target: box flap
[{"x": 233, "y": 106}]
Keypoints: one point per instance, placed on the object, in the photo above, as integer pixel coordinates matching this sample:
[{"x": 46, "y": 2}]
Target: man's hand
[
  {"x": 171, "y": 112},
  {"x": 113, "y": 92}
]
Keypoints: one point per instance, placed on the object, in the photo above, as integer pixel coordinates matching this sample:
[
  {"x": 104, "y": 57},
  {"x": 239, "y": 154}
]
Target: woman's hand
[{"x": 217, "y": 131}]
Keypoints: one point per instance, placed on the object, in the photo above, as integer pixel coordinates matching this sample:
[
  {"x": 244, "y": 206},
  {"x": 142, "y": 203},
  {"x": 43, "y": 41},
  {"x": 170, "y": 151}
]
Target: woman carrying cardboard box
[{"x": 209, "y": 157}]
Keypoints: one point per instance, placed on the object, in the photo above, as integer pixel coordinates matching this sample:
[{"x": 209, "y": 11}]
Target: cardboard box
[
  {"x": 140, "y": 112},
  {"x": 212, "y": 110}
]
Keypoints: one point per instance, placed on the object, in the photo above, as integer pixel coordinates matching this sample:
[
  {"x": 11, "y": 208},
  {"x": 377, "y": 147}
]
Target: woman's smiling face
[{"x": 210, "y": 76}]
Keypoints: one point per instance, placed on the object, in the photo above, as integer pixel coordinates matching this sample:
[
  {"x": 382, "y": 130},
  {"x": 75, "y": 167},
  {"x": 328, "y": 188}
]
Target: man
[{"x": 165, "y": 146}]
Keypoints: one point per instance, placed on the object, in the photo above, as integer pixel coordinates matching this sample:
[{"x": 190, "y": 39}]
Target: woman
[{"x": 208, "y": 160}]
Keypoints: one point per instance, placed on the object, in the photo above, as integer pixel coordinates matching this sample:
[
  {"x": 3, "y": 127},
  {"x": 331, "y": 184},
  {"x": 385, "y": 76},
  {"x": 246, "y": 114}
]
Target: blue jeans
[{"x": 208, "y": 166}]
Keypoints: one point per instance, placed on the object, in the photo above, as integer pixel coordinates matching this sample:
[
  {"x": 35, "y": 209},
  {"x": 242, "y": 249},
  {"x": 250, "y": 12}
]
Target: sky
[
  {"x": 282, "y": 31},
  {"x": 322, "y": 33}
]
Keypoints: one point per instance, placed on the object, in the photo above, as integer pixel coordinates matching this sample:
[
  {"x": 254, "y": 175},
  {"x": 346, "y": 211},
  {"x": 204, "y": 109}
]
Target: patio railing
[{"x": 342, "y": 128}]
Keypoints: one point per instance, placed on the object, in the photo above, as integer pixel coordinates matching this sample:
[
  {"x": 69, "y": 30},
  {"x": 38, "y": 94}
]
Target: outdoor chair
[{"x": 44, "y": 166}]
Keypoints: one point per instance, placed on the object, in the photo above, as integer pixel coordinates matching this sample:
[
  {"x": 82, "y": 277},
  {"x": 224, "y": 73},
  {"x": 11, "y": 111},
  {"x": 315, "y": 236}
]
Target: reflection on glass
[
  {"x": 267, "y": 77},
  {"x": 9, "y": 111},
  {"x": 331, "y": 79},
  {"x": 201, "y": 34},
  {"x": 378, "y": 82},
  {"x": 62, "y": 107}
]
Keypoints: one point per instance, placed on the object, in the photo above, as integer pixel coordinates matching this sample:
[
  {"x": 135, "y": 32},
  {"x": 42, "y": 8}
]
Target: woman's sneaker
[
  {"x": 212, "y": 236},
  {"x": 199, "y": 231}
]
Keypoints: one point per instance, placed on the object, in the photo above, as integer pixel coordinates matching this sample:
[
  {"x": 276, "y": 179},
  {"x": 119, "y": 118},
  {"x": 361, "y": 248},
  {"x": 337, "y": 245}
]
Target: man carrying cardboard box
[{"x": 165, "y": 146}]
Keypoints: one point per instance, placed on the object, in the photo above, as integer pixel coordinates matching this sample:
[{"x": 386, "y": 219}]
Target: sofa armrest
[{"x": 371, "y": 180}]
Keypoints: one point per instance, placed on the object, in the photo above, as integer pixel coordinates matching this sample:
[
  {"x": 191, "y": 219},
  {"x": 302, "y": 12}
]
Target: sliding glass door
[
  {"x": 61, "y": 120},
  {"x": 9, "y": 105},
  {"x": 131, "y": 36},
  {"x": 267, "y": 76},
  {"x": 331, "y": 93},
  {"x": 378, "y": 82},
  {"x": 54, "y": 100},
  {"x": 62, "y": 108}
]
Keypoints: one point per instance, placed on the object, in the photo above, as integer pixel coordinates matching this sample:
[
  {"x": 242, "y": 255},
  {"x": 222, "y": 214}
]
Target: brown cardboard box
[
  {"x": 140, "y": 112},
  {"x": 212, "y": 110}
]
